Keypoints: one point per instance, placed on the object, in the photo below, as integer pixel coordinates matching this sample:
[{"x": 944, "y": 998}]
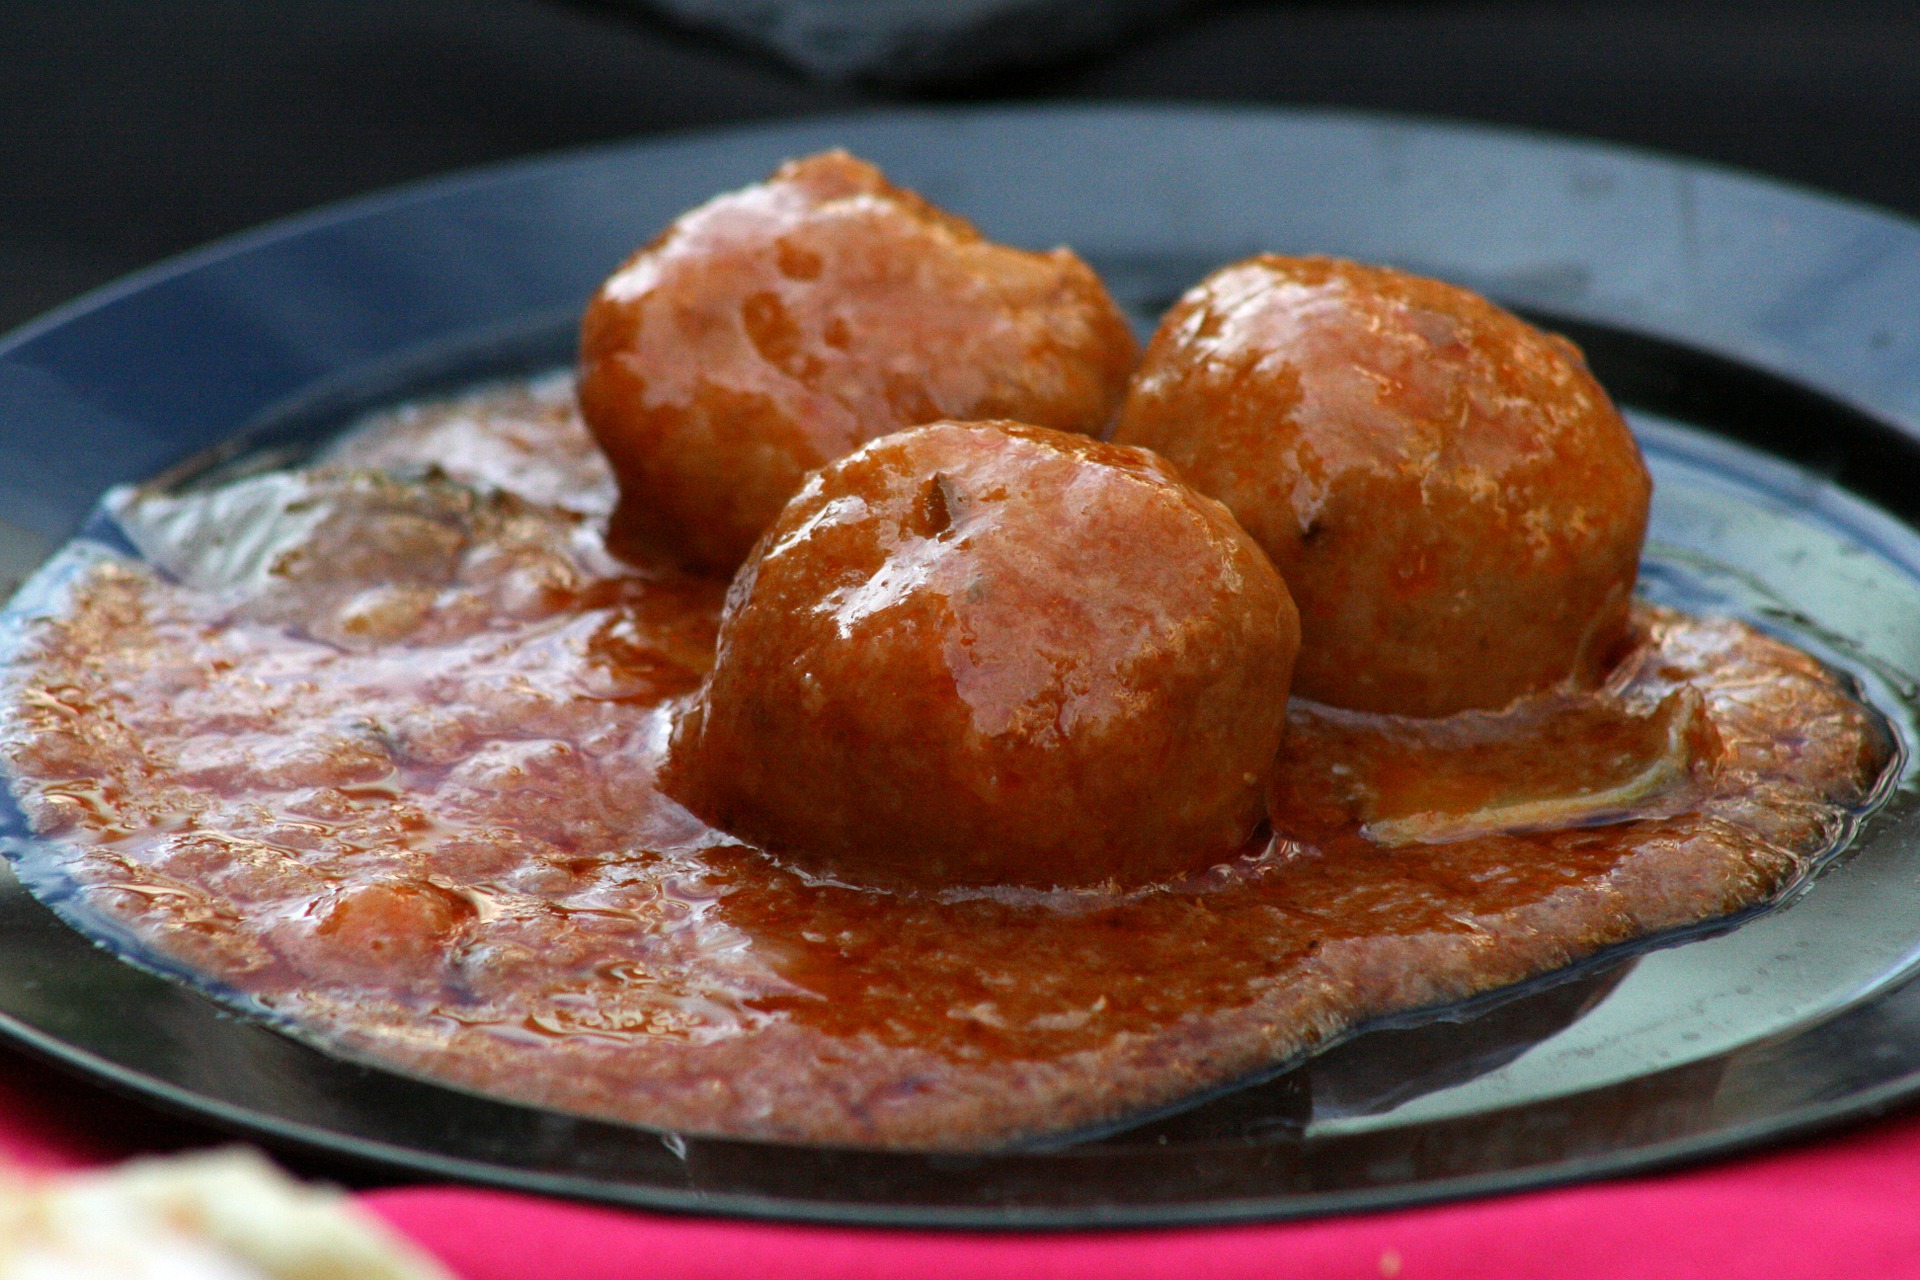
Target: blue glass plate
[{"x": 1763, "y": 340}]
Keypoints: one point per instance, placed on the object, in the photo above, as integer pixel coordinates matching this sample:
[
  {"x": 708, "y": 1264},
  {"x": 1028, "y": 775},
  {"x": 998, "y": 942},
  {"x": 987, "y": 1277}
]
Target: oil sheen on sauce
[{"x": 373, "y": 744}]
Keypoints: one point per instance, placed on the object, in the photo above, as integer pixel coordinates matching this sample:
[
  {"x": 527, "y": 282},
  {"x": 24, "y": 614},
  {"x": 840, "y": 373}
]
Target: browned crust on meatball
[
  {"x": 1454, "y": 502},
  {"x": 776, "y": 328},
  {"x": 987, "y": 653}
]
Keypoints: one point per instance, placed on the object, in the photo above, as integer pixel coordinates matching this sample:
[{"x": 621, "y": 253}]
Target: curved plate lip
[
  {"x": 1877, "y": 392},
  {"x": 1826, "y": 1117},
  {"x": 1878, "y": 382},
  {"x": 820, "y": 129},
  {"x": 1241, "y": 1211}
]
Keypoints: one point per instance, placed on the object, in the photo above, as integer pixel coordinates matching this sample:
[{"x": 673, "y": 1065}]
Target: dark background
[{"x": 132, "y": 129}]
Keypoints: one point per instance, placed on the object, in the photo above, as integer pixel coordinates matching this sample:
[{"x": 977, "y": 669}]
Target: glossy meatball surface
[
  {"x": 1453, "y": 501},
  {"x": 778, "y": 327},
  {"x": 987, "y": 653}
]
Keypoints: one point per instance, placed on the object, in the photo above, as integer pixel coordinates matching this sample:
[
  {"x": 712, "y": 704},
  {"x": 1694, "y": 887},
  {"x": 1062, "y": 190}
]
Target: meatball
[
  {"x": 989, "y": 653},
  {"x": 1453, "y": 501},
  {"x": 776, "y": 328}
]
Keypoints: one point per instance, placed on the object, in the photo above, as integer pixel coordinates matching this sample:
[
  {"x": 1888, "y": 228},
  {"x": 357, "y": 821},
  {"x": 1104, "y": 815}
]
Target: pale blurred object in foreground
[
  {"x": 904, "y": 43},
  {"x": 217, "y": 1215}
]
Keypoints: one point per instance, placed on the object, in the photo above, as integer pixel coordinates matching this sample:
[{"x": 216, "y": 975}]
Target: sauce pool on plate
[{"x": 376, "y": 745}]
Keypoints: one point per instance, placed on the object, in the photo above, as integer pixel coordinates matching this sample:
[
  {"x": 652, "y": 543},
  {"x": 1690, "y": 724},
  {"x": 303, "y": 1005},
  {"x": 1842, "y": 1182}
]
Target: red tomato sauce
[{"x": 390, "y": 773}]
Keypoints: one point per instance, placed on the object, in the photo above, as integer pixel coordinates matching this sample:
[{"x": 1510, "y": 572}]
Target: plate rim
[{"x": 474, "y": 181}]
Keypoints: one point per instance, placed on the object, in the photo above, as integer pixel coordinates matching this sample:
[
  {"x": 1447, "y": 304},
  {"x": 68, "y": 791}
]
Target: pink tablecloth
[{"x": 1848, "y": 1206}]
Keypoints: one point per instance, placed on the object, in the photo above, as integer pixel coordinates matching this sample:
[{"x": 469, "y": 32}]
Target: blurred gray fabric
[{"x": 904, "y": 43}]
